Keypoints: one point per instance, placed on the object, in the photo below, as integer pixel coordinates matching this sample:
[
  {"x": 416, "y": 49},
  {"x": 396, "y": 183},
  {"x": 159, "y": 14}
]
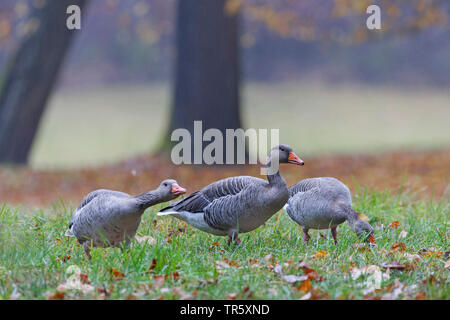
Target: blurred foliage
[{"x": 133, "y": 40}]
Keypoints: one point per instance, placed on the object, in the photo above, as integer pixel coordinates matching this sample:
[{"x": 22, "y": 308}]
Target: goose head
[
  {"x": 169, "y": 189},
  {"x": 285, "y": 154},
  {"x": 364, "y": 231}
]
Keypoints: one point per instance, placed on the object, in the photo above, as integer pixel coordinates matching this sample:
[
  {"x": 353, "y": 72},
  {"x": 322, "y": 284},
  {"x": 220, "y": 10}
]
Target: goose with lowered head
[{"x": 323, "y": 203}]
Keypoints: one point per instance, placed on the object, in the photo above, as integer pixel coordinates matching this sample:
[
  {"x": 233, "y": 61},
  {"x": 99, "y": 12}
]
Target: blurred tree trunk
[
  {"x": 207, "y": 67},
  {"x": 30, "y": 77}
]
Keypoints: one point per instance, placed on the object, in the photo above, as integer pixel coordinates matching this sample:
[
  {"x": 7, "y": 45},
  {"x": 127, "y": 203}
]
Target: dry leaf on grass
[
  {"x": 398, "y": 246},
  {"x": 431, "y": 253},
  {"x": 394, "y": 225},
  {"x": 278, "y": 269},
  {"x": 374, "y": 277},
  {"x": 232, "y": 296},
  {"x": 152, "y": 265},
  {"x": 394, "y": 265},
  {"x": 215, "y": 244},
  {"x": 310, "y": 272},
  {"x": 420, "y": 296},
  {"x": 293, "y": 278},
  {"x": 305, "y": 286},
  {"x": 315, "y": 294},
  {"x": 412, "y": 257},
  {"x": 220, "y": 264},
  {"x": 322, "y": 254},
  {"x": 402, "y": 234},
  {"x": 57, "y": 295},
  {"x": 116, "y": 274},
  {"x": 269, "y": 257},
  {"x": 150, "y": 240}
]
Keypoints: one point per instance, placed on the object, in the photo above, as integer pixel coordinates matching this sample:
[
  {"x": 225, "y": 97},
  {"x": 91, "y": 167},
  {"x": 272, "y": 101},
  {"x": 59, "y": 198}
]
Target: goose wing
[
  {"x": 220, "y": 201},
  {"x": 91, "y": 196},
  {"x": 304, "y": 185}
]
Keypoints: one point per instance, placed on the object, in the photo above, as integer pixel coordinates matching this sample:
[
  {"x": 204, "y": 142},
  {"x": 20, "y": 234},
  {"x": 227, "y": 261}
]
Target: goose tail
[{"x": 166, "y": 213}]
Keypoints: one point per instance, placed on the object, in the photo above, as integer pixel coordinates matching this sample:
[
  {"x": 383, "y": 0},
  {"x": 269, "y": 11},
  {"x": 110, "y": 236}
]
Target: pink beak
[
  {"x": 177, "y": 190},
  {"x": 294, "y": 159}
]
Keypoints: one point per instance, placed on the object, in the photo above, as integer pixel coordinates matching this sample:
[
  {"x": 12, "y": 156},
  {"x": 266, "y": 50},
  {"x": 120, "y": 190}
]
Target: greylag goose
[
  {"x": 236, "y": 204},
  {"x": 322, "y": 203},
  {"x": 107, "y": 218}
]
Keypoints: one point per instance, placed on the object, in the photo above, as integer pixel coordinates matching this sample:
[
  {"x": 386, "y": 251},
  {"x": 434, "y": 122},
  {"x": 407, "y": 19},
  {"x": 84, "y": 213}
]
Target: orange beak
[
  {"x": 294, "y": 159},
  {"x": 177, "y": 190},
  {"x": 371, "y": 239}
]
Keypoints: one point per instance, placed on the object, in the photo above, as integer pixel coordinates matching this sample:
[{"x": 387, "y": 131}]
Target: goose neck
[{"x": 148, "y": 199}]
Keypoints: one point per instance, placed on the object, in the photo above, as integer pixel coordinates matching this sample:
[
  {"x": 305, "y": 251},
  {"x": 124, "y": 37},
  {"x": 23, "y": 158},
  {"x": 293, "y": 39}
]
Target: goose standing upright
[
  {"x": 322, "y": 203},
  {"x": 108, "y": 218},
  {"x": 236, "y": 204}
]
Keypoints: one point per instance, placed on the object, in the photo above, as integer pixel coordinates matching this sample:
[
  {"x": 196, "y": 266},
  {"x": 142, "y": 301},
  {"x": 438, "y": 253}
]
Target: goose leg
[
  {"x": 334, "y": 234},
  {"x": 306, "y": 235},
  {"x": 233, "y": 237},
  {"x": 87, "y": 250}
]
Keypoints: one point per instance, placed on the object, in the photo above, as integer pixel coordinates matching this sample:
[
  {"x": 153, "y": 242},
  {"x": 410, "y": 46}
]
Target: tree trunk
[
  {"x": 207, "y": 67},
  {"x": 30, "y": 78}
]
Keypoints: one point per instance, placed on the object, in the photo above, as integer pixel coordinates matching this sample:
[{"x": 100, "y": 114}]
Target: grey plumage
[
  {"x": 108, "y": 218},
  {"x": 237, "y": 204},
  {"x": 322, "y": 203}
]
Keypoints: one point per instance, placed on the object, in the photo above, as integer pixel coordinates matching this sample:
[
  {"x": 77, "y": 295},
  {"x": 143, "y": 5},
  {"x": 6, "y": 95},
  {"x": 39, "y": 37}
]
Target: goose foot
[
  {"x": 87, "y": 249},
  {"x": 334, "y": 234},
  {"x": 233, "y": 238},
  {"x": 306, "y": 235}
]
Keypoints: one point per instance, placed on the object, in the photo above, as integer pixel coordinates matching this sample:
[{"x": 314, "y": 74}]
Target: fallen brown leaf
[
  {"x": 398, "y": 246},
  {"x": 278, "y": 269},
  {"x": 58, "y": 295},
  {"x": 305, "y": 286},
  {"x": 420, "y": 296},
  {"x": 116, "y": 274},
  {"x": 394, "y": 225},
  {"x": 215, "y": 244},
  {"x": 152, "y": 265},
  {"x": 396, "y": 266},
  {"x": 84, "y": 278},
  {"x": 322, "y": 254}
]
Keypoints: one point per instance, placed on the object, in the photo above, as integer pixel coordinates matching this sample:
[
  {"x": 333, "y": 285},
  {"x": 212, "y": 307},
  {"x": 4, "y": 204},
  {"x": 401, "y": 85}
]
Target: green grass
[
  {"x": 31, "y": 256},
  {"x": 103, "y": 125}
]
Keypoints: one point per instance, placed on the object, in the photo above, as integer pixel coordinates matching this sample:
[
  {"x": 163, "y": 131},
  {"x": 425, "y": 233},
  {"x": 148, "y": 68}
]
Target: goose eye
[{"x": 165, "y": 184}]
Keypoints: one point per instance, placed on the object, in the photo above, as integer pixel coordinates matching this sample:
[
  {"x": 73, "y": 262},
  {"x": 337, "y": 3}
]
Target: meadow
[
  {"x": 104, "y": 125},
  {"x": 174, "y": 261},
  {"x": 389, "y": 145}
]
